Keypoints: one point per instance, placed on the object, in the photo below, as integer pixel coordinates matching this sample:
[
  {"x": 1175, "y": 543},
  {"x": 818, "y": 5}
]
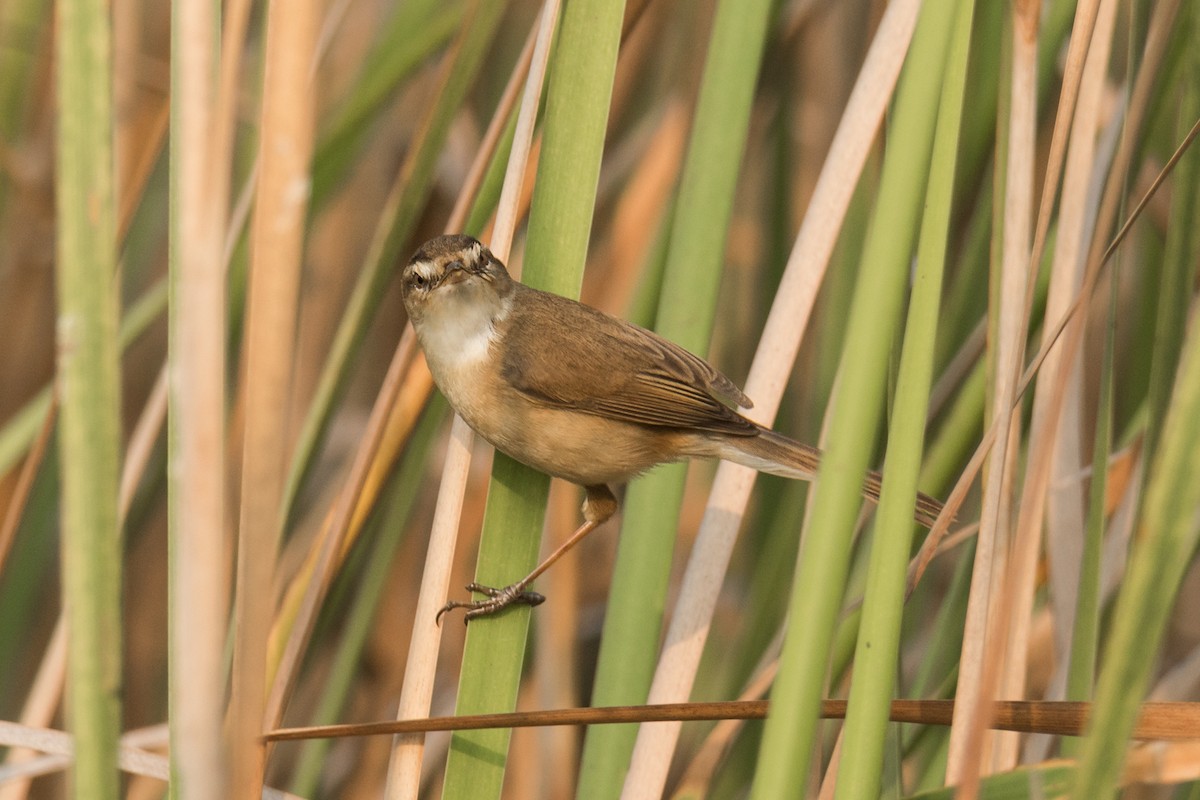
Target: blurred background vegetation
[{"x": 402, "y": 93}]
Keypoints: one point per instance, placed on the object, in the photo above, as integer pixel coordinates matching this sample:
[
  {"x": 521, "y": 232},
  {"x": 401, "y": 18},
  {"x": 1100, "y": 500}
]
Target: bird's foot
[{"x": 497, "y": 600}]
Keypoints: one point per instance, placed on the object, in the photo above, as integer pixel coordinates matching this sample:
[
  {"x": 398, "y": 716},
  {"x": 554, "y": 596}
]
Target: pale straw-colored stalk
[
  {"x": 973, "y": 693},
  {"x": 198, "y": 587},
  {"x": 135, "y": 755},
  {"x": 1054, "y": 436},
  {"x": 277, "y": 242},
  {"x": 39, "y": 709}
]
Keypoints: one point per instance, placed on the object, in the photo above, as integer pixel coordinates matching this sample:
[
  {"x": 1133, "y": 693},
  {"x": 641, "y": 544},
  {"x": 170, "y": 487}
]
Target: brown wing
[{"x": 636, "y": 375}]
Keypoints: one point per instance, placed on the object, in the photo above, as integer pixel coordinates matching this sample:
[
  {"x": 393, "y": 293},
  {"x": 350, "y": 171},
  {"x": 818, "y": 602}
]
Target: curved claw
[{"x": 497, "y": 600}]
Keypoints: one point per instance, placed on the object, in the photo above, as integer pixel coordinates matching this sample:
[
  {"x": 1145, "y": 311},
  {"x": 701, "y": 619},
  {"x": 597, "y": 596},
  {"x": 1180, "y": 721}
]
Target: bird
[{"x": 577, "y": 393}]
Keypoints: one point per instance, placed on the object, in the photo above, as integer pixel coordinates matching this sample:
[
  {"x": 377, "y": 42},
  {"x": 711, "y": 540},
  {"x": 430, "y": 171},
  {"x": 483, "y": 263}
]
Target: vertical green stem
[
  {"x": 686, "y": 310},
  {"x": 1165, "y": 542},
  {"x": 791, "y": 727},
  {"x": 1163, "y": 548},
  {"x": 88, "y": 383},
  {"x": 580, "y": 90},
  {"x": 875, "y": 660}
]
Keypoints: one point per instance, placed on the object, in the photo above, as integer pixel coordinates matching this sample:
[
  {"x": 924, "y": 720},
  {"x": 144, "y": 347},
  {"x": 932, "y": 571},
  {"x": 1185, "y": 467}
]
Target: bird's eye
[{"x": 420, "y": 280}]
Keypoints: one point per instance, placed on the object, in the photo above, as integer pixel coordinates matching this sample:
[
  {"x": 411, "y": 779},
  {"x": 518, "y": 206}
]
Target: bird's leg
[{"x": 598, "y": 506}]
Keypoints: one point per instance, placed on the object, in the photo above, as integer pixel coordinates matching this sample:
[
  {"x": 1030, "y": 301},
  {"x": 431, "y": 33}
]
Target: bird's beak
[{"x": 456, "y": 274}]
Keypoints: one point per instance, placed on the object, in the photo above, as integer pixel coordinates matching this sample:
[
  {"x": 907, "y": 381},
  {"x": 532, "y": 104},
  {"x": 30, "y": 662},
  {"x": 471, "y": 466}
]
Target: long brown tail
[{"x": 776, "y": 454}]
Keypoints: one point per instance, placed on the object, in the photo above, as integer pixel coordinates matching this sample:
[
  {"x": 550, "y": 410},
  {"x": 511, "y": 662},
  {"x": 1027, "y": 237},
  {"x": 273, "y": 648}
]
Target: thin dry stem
[
  {"x": 1052, "y": 445},
  {"x": 141, "y": 443},
  {"x": 1169, "y": 722},
  {"x": 1065, "y": 498},
  {"x": 40, "y": 706},
  {"x": 974, "y": 688},
  {"x": 59, "y": 747}
]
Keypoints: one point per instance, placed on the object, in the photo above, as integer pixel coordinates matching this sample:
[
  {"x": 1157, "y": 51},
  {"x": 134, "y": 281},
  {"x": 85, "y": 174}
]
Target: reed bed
[{"x": 952, "y": 241}]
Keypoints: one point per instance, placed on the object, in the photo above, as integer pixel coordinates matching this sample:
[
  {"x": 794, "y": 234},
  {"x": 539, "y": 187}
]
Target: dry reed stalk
[
  {"x": 277, "y": 241},
  {"x": 199, "y": 577},
  {"x": 977, "y": 675},
  {"x": 1052, "y": 438}
]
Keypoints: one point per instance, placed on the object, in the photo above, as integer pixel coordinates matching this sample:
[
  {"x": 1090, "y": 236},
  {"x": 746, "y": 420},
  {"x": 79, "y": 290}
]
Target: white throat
[{"x": 457, "y": 331}]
